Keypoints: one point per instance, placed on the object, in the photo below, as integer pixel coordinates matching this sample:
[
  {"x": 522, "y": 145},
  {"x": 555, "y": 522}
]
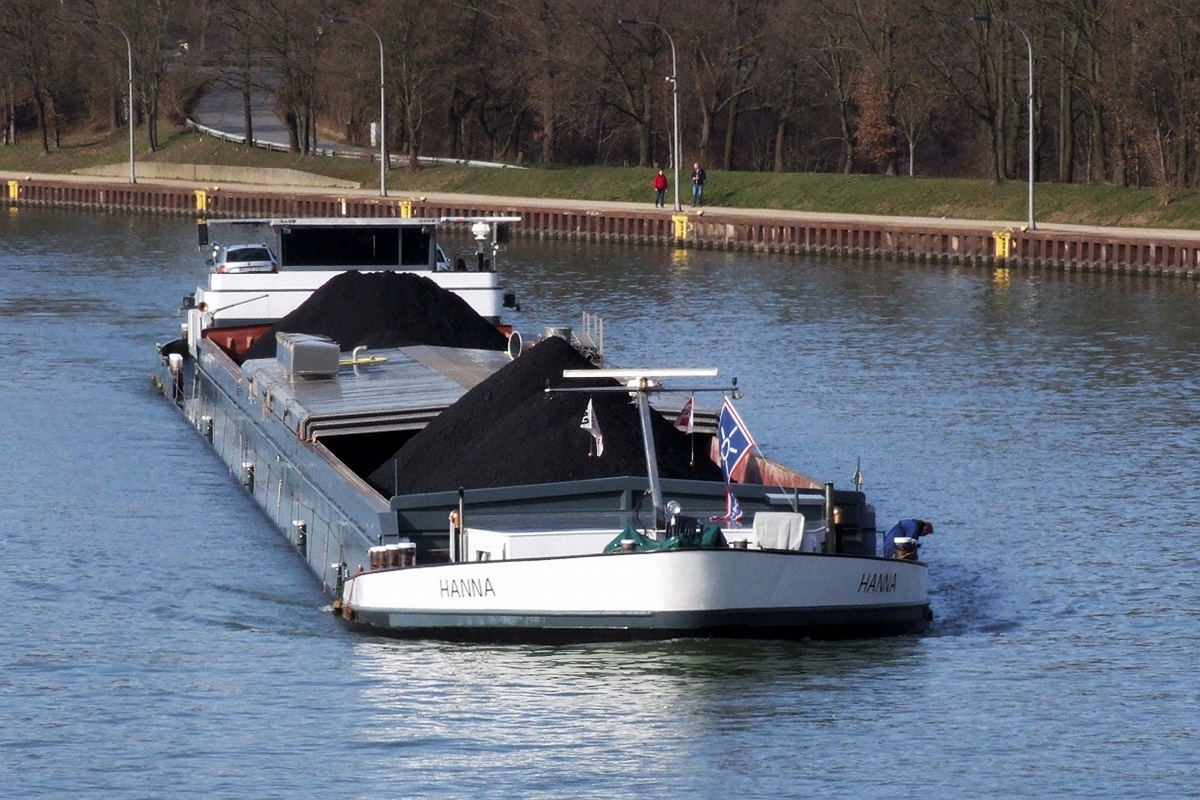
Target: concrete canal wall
[{"x": 1151, "y": 252}]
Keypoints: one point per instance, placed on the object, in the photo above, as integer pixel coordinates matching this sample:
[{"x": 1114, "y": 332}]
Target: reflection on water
[{"x": 645, "y": 708}]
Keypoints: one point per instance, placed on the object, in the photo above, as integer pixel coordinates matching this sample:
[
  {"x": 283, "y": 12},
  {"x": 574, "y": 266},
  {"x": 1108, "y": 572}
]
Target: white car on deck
[{"x": 237, "y": 258}]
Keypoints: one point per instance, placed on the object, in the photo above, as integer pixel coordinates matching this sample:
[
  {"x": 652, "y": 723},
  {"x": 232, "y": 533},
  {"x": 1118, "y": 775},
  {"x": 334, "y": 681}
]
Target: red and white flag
[
  {"x": 592, "y": 426},
  {"x": 684, "y": 420}
]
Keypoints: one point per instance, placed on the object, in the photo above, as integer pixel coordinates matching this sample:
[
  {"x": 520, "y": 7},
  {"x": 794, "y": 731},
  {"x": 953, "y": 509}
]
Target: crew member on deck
[{"x": 906, "y": 528}]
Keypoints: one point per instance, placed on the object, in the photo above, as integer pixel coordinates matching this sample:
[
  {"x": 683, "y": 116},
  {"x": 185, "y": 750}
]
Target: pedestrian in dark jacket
[{"x": 698, "y": 178}]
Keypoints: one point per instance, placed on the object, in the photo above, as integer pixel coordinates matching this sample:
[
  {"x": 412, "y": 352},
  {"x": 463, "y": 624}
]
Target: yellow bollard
[
  {"x": 681, "y": 225},
  {"x": 406, "y": 209},
  {"x": 1003, "y": 242},
  {"x": 12, "y": 190},
  {"x": 201, "y": 200}
]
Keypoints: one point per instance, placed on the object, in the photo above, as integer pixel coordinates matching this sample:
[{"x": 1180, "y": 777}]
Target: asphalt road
[{"x": 221, "y": 110}]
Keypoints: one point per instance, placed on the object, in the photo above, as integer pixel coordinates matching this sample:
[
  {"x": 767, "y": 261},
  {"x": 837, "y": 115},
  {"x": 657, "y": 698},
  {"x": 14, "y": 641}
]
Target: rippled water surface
[{"x": 160, "y": 638}]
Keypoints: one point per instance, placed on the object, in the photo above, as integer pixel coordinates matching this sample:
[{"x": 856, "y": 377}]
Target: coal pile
[
  {"x": 509, "y": 431},
  {"x": 385, "y": 309}
]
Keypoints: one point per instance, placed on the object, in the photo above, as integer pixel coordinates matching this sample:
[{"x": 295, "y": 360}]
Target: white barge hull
[{"x": 645, "y": 595}]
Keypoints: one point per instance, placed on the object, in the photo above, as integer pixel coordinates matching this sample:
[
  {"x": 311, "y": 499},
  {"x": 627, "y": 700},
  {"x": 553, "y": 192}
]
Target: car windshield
[{"x": 249, "y": 254}]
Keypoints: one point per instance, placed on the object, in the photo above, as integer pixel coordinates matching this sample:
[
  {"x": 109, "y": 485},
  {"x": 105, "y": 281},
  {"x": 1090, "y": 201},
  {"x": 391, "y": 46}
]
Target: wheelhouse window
[{"x": 347, "y": 248}]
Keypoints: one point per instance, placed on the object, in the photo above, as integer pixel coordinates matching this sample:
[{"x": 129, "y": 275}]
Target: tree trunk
[
  {"x": 1066, "y": 112},
  {"x": 152, "y": 124},
  {"x": 847, "y": 159},
  {"x": 548, "y": 138},
  {"x": 997, "y": 151},
  {"x": 705, "y": 133},
  {"x": 1097, "y": 134},
  {"x": 293, "y": 129},
  {"x": 1098, "y": 145},
  {"x": 40, "y": 102},
  {"x": 730, "y": 134},
  {"x": 644, "y": 129},
  {"x": 780, "y": 137},
  {"x": 410, "y": 126},
  {"x": 247, "y": 116}
]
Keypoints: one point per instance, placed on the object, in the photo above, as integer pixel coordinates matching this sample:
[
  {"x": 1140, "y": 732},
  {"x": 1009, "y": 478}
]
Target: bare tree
[
  {"x": 636, "y": 58},
  {"x": 915, "y": 105},
  {"x": 1157, "y": 96},
  {"x": 545, "y": 42},
  {"x": 236, "y": 52},
  {"x": 418, "y": 52},
  {"x": 964, "y": 57},
  {"x": 293, "y": 39},
  {"x": 728, "y": 52},
  {"x": 786, "y": 64},
  {"x": 149, "y": 26},
  {"x": 839, "y": 61},
  {"x": 31, "y": 31}
]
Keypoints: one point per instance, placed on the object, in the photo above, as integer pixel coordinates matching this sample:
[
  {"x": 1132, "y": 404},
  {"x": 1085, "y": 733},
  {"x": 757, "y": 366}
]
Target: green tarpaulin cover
[{"x": 703, "y": 537}]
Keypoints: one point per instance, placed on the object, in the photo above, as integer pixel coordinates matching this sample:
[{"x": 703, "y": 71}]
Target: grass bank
[{"x": 847, "y": 194}]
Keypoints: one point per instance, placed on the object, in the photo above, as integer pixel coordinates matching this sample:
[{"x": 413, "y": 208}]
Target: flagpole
[
  {"x": 643, "y": 403},
  {"x": 691, "y": 428}
]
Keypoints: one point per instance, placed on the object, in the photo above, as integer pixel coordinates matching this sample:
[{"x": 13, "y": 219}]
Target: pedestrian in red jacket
[{"x": 660, "y": 190}]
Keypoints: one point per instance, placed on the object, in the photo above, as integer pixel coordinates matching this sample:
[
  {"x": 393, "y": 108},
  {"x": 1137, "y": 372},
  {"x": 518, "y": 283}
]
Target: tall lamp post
[
  {"x": 90, "y": 22},
  {"x": 985, "y": 18},
  {"x": 383, "y": 165},
  {"x": 674, "y": 96}
]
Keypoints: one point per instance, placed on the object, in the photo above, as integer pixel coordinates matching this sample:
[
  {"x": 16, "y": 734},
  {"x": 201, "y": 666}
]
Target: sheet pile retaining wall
[{"x": 1155, "y": 253}]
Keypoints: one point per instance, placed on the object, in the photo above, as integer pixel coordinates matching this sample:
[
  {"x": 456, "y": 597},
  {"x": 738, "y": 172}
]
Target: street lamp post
[
  {"x": 674, "y": 96},
  {"x": 1029, "y": 47},
  {"x": 383, "y": 165},
  {"x": 90, "y": 22}
]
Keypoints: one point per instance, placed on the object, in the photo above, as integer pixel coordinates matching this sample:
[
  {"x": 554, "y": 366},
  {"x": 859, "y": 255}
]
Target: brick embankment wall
[{"x": 1153, "y": 253}]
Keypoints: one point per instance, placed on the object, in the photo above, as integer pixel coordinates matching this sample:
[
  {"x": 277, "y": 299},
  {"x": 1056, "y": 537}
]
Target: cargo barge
[{"x": 461, "y": 489}]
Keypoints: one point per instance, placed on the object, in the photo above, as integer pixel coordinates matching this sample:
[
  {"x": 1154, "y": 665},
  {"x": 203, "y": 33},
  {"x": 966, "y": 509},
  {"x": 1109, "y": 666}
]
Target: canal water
[{"x": 159, "y": 637}]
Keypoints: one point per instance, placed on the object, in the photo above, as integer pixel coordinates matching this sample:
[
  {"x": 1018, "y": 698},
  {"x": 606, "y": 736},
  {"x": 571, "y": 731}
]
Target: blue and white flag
[
  {"x": 734, "y": 439},
  {"x": 592, "y": 426}
]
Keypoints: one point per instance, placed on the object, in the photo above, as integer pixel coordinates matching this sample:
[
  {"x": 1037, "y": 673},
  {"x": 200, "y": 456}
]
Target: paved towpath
[{"x": 647, "y": 209}]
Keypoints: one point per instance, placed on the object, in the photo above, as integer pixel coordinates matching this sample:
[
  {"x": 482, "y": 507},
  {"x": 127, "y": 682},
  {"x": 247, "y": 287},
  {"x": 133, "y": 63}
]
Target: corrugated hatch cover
[{"x": 405, "y": 392}]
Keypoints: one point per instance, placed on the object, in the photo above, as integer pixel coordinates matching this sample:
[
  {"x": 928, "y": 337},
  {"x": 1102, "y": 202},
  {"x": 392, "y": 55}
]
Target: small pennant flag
[
  {"x": 592, "y": 426},
  {"x": 684, "y": 420},
  {"x": 734, "y": 439}
]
